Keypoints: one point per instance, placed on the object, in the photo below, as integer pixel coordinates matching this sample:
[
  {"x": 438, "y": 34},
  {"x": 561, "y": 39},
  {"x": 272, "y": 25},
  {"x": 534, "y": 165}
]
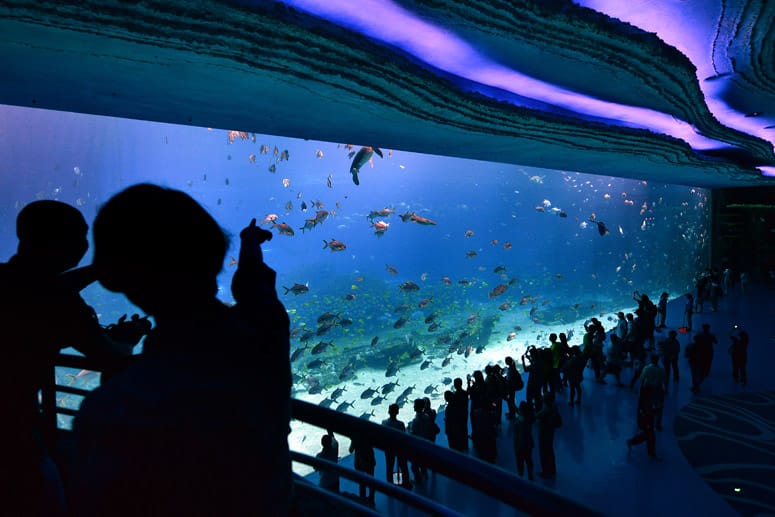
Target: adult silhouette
[{"x": 198, "y": 424}]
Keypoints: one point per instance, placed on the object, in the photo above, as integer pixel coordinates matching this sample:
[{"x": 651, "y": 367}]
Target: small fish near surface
[
  {"x": 363, "y": 156},
  {"x": 334, "y": 245},
  {"x": 297, "y": 289}
]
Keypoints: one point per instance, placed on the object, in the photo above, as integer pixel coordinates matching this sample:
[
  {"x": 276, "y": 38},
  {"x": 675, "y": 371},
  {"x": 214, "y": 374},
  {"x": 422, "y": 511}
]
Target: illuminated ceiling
[{"x": 677, "y": 91}]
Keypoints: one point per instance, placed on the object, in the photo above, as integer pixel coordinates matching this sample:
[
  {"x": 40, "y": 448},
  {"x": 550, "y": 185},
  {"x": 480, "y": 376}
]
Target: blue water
[{"x": 557, "y": 270}]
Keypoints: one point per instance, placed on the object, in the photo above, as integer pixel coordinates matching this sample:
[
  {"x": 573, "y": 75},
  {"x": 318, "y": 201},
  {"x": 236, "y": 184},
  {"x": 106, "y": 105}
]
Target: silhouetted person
[
  {"x": 364, "y": 461},
  {"x": 198, "y": 424},
  {"x": 461, "y": 422},
  {"x": 646, "y": 424},
  {"x": 392, "y": 456},
  {"x": 738, "y": 351},
  {"x": 41, "y": 313},
  {"x": 547, "y": 421},
  {"x": 328, "y": 478},
  {"x": 423, "y": 427},
  {"x": 523, "y": 439}
]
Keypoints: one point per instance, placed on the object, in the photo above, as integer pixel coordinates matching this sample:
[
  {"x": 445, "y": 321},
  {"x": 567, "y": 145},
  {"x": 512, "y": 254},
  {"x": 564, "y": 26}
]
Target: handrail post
[{"x": 48, "y": 402}]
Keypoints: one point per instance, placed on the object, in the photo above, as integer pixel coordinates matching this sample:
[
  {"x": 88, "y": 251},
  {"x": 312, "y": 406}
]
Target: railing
[{"x": 492, "y": 481}]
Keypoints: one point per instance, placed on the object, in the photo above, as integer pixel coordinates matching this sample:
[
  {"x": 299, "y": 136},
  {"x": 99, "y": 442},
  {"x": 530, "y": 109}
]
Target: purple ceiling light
[
  {"x": 689, "y": 26},
  {"x": 395, "y": 26}
]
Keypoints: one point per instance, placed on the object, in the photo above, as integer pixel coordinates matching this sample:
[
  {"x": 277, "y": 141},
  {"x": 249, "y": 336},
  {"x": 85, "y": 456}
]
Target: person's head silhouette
[
  {"x": 159, "y": 247},
  {"x": 52, "y": 236}
]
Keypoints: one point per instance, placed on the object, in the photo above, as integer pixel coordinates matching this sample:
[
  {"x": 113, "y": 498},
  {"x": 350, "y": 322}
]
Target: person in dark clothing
[
  {"x": 485, "y": 439},
  {"x": 696, "y": 366},
  {"x": 738, "y": 351},
  {"x": 143, "y": 446},
  {"x": 689, "y": 311},
  {"x": 523, "y": 439},
  {"x": 670, "y": 350},
  {"x": 477, "y": 392},
  {"x": 392, "y": 456},
  {"x": 662, "y": 310},
  {"x": 534, "y": 368},
  {"x": 329, "y": 479},
  {"x": 41, "y": 313},
  {"x": 647, "y": 433},
  {"x": 547, "y": 421},
  {"x": 364, "y": 461},
  {"x": 461, "y": 422},
  {"x": 513, "y": 384},
  {"x": 705, "y": 348},
  {"x": 574, "y": 372},
  {"x": 422, "y": 427}
]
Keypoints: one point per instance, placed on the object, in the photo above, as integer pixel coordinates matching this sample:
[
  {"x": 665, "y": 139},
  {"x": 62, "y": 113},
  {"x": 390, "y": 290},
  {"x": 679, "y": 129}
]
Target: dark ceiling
[{"x": 576, "y": 89}]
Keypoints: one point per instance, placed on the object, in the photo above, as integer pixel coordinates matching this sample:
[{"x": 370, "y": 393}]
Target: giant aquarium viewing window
[{"x": 430, "y": 268}]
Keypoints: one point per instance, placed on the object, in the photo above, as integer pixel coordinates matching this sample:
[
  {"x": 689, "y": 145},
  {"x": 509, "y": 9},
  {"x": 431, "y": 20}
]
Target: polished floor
[{"x": 593, "y": 462}]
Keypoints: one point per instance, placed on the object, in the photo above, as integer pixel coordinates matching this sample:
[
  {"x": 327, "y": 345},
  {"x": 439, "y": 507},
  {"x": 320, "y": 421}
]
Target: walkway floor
[{"x": 594, "y": 465}]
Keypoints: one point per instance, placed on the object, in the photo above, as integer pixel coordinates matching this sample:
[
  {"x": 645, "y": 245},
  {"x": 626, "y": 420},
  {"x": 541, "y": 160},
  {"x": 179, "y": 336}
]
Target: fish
[
  {"x": 424, "y": 302},
  {"x": 252, "y": 158},
  {"x": 446, "y": 280},
  {"x": 309, "y": 224},
  {"x": 494, "y": 242},
  {"x": 326, "y": 403},
  {"x": 408, "y": 391},
  {"x": 468, "y": 233},
  {"x": 285, "y": 155},
  {"x": 308, "y": 334},
  {"x": 314, "y": 390},
  {"x": 363, "y": 156},
  {"x": 297, "y": 353},
  {"x": 511, "y": 336},
  {"x": 392, "y": 369},
  {"x": 389, "y": 387},
  {"x": 402, "y": 308},
  {"x": 426, "y": 364},
  {"x": 347, "y": 372},
  {"x": 344, "y": 322},
  {"x": 380, "y": 227},
  {"x": 233, "y": 261},
  {"x": 286, "y": 182},
  {"x": 325, "y": 327},
  {"x": 432, "y": 316},
  {"x": 368, "y": 393},
  {"x": 505, "y": 306},
  {"x": 446, "y": 361},
  {"x": 349, "y": 297},
  {"x": 269, "y": 219},
  {"x": 499, "y": 269},
  {"x": 329, "y": 181},
  {"x": 499, "y": 290},
  {"x": 400, "y": 322},
  {"x": 334, "y": 245},
  {"x": 367, "y": 415},
  {"x": 316, "y": 363},
  {"x": 376, "y": 401},
  {"x": 416, "y": 352},
  {"x": 297, "y": 289},
  {"x": 433, "y": 327},
  {"x": 344, "y": 405},
  {"x": 374, "y": 340},
  {"x": 421, "y": 220},
  {"x": 539, "y": 208},
  {"x": 337, "y": 393},
  {"x": 303, "y": 206},
  {"x": 320, "y": 216},
  {"x": 318, "y": 154},
  {"x": 383, "y": 212},
  {"x": 424, "y": 277},
  {"x": 507, "y": 245},
  {"x": 407, "y": 216},
  {"x": 431, "y": 388},
  {"x": 471, "y": 254},
  {"x": 273, "y": 168},
  {"x": 562, "y": 214},
  {"x": 321, "y": 347},
  {"x": 283, "y": 229},
  {"x": 264, "y": 149},
  {"x": 409, "y": 286},
  {"x": 602, "y": 229},
  {"x": 390, "y": 269}
]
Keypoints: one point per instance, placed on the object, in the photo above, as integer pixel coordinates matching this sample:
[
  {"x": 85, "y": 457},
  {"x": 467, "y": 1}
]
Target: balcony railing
[{"x": 487, "y": 480}]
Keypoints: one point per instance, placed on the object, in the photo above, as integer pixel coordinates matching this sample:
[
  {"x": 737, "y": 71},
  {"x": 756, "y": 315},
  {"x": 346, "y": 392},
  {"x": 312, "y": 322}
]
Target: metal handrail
[
  {"x": 487, "y": 479},
  {"x": 402, "y": 494},
  {"x": 483, "y": 477},
  {"x": 301, "y": 486}
]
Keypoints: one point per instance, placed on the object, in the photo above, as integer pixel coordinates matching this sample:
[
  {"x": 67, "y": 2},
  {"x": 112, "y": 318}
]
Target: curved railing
[{"x": 486, "y": 479}]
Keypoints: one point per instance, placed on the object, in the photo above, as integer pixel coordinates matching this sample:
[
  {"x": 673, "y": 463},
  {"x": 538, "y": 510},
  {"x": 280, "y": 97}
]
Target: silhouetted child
[
  {"x": 198, "y": 424},
  {"x": 364, "y": 461},
  {"x": 689, "y": 311},
  {"x": 738, "y": 351},
  {"x": 662, "y": 310},
  {"x": 41, "y": 313},
  {"x": 328, "y": 478}
]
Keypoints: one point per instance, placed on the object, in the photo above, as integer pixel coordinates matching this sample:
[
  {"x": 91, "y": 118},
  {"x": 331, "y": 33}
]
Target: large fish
[{"x": 361, "y": 158}]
